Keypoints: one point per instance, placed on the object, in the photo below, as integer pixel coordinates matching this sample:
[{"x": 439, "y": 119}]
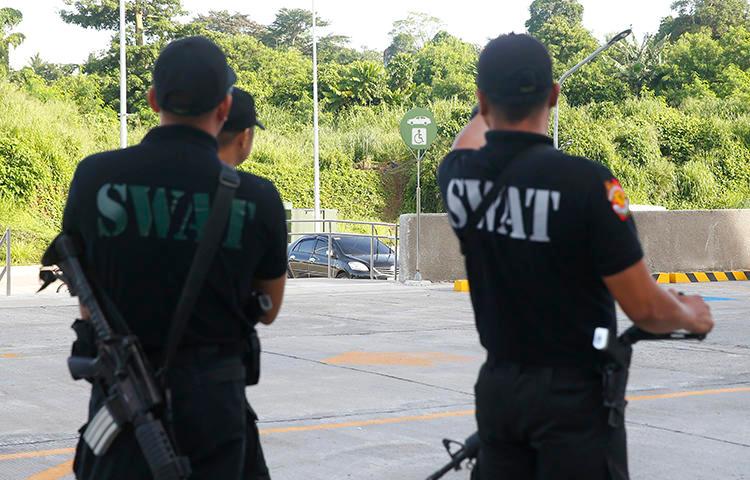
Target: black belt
[{"x": 592, "y": 372}]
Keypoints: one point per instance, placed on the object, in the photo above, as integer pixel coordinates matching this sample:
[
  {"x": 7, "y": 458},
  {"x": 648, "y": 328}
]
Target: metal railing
[
  {"x": 374, "y": 237},
  {"x": 6, "y": 270}
]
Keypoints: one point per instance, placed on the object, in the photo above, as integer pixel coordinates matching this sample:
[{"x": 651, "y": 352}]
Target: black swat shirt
[
  {"x": 535, "y": 262},
  {"x": 139, "y": 212}
]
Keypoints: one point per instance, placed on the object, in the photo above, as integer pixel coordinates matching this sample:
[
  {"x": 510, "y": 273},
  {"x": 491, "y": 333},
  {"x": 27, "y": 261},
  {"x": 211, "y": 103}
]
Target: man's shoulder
[
  {"x": 455, "y": 162},
  {"x": 257, "y": 187},
  {"x": 101, "y": 159}
]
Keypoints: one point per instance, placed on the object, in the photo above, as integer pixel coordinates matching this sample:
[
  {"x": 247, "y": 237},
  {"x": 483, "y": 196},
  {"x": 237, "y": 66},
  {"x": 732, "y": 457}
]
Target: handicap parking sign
[{"x": 418, "y": 129}]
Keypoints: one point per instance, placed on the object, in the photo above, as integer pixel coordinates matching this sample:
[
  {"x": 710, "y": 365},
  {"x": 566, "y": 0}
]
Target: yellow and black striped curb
[
  {"x": 702, "y": 277},
  {"x": 675, "y": 277}
]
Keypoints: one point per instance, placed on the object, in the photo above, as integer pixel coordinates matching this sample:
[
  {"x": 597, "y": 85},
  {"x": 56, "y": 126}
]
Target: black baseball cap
[
  {"x": 192, "y": 77},
  {"x": 515, "y": 69},
  {"x": 243, "y": 114}
]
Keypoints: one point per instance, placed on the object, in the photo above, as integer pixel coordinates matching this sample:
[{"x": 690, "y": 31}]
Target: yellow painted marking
[
  {"x": 366, "y": 423},
  {"x": 701, "y": 277},
  {"x": 63, "y": 469},
  {"x": 678, "y": 278},
  {"x": 697, "y": 393},
  {"x": 461, "y": 286},
  {"x": 739, "y": 275},
  {"x": 9, "y": 355},
  {"x": 423, "y": 359},
  {"x": 721, "y": 277},
  {"x": 662, "y": 278},
  {"x": 37, "y": 453},
  {"x": 55, "y": 472}
]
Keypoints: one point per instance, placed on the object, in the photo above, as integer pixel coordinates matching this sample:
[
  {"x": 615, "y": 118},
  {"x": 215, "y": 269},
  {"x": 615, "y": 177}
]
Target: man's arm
[
  {"x": 656, "y": 310},
  {"x": 275, "y": 289},
  {"x": 472, "y": 137}
]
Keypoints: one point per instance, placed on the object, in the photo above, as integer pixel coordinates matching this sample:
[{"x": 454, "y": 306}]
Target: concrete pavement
[{"x": 362, "y": 380}]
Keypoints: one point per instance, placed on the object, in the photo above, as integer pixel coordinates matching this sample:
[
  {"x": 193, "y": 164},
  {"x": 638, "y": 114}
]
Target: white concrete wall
[{"x": 673, "y": 241}]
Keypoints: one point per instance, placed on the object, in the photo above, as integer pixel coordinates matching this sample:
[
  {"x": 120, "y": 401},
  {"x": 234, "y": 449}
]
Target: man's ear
[
  {"x": 554, "y": 95},
  {"x": 152, "y": 100},
  {"x": 247, "y": 137},
  {"x": 484, "y": 104},
  {"x": 222, "y": 112}
]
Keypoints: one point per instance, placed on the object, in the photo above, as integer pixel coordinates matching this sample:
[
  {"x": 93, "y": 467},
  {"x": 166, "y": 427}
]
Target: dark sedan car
[{"x": 308, "y": 257}]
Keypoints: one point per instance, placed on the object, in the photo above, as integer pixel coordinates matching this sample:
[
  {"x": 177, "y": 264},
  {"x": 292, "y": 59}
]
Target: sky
[{"x": 475, "y": 21}]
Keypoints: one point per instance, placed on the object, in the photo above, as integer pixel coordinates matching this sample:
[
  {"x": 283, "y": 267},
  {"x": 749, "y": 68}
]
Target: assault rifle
[
  {"x": 618, "y": 352},
  {"x": 120, "y": 367}
]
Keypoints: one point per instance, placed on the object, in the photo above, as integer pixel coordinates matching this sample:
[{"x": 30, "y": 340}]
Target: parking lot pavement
[{"x": 361, "y": 380}]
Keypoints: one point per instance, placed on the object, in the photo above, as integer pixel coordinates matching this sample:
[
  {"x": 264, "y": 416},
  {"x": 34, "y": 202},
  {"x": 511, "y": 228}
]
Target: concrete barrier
[{"x": 673, "y": 241}]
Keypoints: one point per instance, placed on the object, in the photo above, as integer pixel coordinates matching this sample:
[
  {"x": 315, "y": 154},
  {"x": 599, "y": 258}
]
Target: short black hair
[
  {"x": 224, "y": 138},
  {"x": 515, "y": 73},
  {"x": 516, "y": 112}
]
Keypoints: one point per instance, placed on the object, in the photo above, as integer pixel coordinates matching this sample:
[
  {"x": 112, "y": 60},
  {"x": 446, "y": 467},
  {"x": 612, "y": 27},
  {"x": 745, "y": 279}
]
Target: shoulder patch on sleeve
[{"x": 617, "y": 197}]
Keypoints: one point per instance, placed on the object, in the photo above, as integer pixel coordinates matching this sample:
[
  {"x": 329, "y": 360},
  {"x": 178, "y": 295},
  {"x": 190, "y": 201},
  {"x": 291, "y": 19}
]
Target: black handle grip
[
  {"x": 83, "y": 367},
  {"x": 634, "y": 335}
]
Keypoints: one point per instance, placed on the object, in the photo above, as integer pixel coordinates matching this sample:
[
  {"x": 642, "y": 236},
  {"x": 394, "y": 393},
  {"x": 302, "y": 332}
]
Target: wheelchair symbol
[{"x": 419, "y": 136}]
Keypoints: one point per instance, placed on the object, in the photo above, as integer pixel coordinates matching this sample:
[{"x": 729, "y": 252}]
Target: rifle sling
[
  {"x": 210, "y": 239},
  {"x": 492, "y": 196}
]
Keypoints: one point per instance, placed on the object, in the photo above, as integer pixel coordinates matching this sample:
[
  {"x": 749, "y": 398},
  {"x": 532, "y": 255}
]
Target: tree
[
  {"x": 291, "y": 29},
  {"x": 149, "y": 18},
  {"x": 361, "y": 83},
  {"x": 567, "y": 42},
  {"x": 231, "y": 23},
  {"x": 401, "y": 43},
  {"x": 50, "y": 71},
  {"x": 542, "y": 11},
  {"x": 419, "y": 26},
  {"x": 692, "y": 64},
  {"x": 693, "y": 15},
  {"x": 447, "y": 65},
  {"x": 9, "y": 19},
  {"x": 401, "y": 70},
  {"x": 638, "y": 63}
]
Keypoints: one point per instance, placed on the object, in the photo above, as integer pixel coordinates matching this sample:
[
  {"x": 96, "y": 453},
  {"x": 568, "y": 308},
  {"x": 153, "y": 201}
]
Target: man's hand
[
  {"x": 275, "y": 289},
  {"x": 656, "y": 310},
  {"x": 702, "y": 320}
]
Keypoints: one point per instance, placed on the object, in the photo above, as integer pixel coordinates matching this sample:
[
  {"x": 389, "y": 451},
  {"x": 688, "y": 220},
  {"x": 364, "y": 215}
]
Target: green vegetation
[{"x": 670, "y": 114}]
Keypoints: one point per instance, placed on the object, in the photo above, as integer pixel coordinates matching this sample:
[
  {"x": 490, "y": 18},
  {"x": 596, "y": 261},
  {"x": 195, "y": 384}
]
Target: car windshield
[{"x": 361, "y": 246}]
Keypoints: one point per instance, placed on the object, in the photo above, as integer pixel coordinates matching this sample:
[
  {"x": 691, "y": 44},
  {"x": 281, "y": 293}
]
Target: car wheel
[{"x": 343, "y": 274}]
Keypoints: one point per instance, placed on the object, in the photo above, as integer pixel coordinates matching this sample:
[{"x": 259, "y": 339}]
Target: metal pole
[
  {"x": 316, "y": 138},
  {"x": 395, "y": 257},
  {"x": 620, "y": 36},
  {"x": 7, "y": 262},
  {"x": 420, "y": 155},
  {"x": 330, "y": 250},
  {"x": 372, "y": 252},
  {"x": 123, "y": 81}
]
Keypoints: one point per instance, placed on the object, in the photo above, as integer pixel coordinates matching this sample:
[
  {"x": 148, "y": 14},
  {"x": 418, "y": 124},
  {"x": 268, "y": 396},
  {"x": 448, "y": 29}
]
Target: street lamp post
[
  {"x": 620, "y": 36},
  {"x": 123, "y": 81},
  {"x": 316, "y": 138}
]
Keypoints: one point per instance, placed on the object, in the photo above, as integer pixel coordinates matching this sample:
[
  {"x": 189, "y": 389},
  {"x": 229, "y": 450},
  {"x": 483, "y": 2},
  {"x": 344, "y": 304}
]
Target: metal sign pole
[
  {"x": 420, "y": 155},
  {"x": 7, "y": 262},
  {"x": 316, "y": 137},
  {"x": 123, "y": 81}
]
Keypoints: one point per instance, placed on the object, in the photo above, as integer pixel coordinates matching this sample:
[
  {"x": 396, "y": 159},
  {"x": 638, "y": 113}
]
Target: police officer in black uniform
[
  {"x": 238, "y": 134},
  {"x": 545, "y": 255},
  {"x": 139, "y": 214}
]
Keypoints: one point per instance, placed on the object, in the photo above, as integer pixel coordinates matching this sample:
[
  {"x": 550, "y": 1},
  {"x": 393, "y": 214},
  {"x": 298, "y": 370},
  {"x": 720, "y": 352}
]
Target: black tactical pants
[
  {"x": 214, "y": 425},
  {"x": 538, "y": 423}
]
